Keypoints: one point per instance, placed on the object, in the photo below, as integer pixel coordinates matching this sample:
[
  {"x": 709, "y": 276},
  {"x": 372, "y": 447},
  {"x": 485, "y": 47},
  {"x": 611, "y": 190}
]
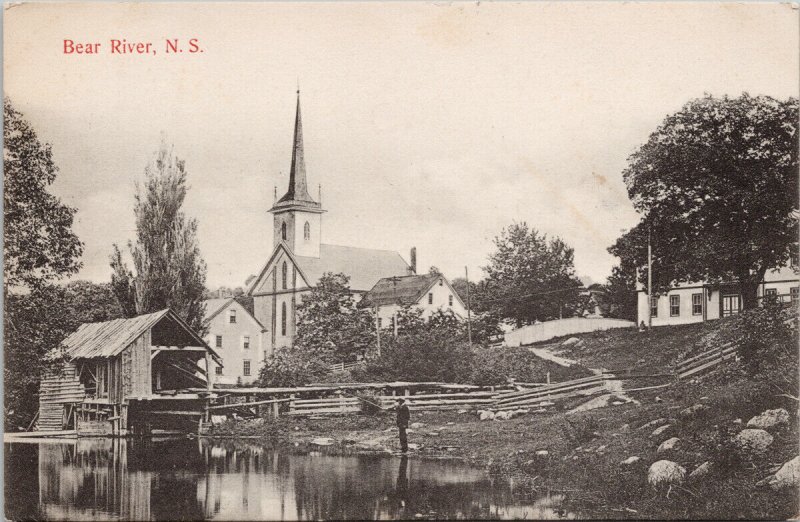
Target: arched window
[
  {"x": 283, "y": 231},
  {"x": 283, "y": 318},
  {"x": 306, "y": 231},
  {"x": 283, "y": 275}
]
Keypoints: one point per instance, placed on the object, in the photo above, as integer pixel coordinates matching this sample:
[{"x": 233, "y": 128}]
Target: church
[{"x": 299, "y": 257}]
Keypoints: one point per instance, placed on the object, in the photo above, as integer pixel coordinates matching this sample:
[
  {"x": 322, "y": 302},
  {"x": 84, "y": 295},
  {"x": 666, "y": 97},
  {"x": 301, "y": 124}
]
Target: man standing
[{"x": 403, "y": 415}]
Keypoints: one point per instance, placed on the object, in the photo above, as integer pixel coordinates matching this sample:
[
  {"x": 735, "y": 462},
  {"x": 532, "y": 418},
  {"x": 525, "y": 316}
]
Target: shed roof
[
  {"x": 401, "y": 290},
  {"x": 109, "y": 338}
]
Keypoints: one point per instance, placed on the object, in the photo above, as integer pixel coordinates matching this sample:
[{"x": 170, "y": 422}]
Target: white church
[{"x": 299, "y": 257}]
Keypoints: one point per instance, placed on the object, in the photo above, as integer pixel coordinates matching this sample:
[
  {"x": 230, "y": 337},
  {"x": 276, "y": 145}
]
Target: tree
[
  {"x": 330, "y": 324},
  {"x": 531, "y": 278},
  {"x": 292, "y": 367},
  {"x": 169, "y": 270},
  {"x": 717, "y": 187},
  {"x": 39, "y": 245},
  {"x": 620, "y": 299},
  {"x": 37, "y": 322}
]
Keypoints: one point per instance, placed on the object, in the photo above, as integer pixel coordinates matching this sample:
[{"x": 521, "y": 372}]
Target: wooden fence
[
  {"x": 340, "y": 367},
  {"x": 544, "y": 395},
  {"x": 705, "y": 361}
]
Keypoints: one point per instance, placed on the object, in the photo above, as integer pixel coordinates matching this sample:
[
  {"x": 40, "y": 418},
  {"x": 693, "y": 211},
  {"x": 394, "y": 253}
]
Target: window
[
  {"x": 430, "y": 298},
  {"x": 380, "y": 322},
  {"x": 284, "y": 271},
  {"x": 219, "y": 370},
  {"x": 441, "y": 282},
  {"x": 246, "y": 342},
  {"x": 730, "y": 305},
  {"x": 219, "y": 341},
  {"x": 450, "y": 300},
  {"x": 697, "y": 304},
  {"x": 283, "y": 318},
  {"x": 674, "y": 305},
  {"x": 307, "y": 231},
  {"x": 232, "y": 316},
  {"x": 795, "y": 291},
  {"x": 283, "y": 231},
  {"x": 654, "y": 307},
  {"x": 246, "y": 367},
  {"x": 770, "y": 294},
  {"x": 794, "y": 258}
]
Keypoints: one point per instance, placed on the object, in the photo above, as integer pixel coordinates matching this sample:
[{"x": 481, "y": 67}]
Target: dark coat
[{"x": 403, "y": 415}]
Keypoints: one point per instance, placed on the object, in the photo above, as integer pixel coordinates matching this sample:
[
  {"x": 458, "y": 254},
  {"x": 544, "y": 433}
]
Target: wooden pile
[
  {"x": 441, "y": 401},
  {"x": 705, "y": 361},
  {"x": 324, "y": 406}
]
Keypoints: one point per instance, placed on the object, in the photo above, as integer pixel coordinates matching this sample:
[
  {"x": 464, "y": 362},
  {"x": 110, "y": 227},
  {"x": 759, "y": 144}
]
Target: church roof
[
  {"x": 406, "y": 290},
  {"x": 297, "y": 196},
  {"x": 364, "y": 266}
]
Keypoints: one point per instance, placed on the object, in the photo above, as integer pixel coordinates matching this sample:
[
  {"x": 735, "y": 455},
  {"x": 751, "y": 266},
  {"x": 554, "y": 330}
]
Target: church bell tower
[{"x": 297, "y": 218}]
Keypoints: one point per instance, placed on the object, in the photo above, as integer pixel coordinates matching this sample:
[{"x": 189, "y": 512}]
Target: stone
[
  {"x": 661, "y": 430},
  {"x": 631, "y": 460},
  {"x": 521, "y": 412},
  {"x": 542, "y": 453},
  {"x": 486, "y": 415},
  {"x": 691, "y": 411},
  {"x": 737, "y": 421},
  {"x": 462, "y": 411},
  {"x": 600, "y": 449},
  {"x": 625, "y": 428},
  {"x": 417, "y": 425},
  {"x": 668, "y": 445},
  {"x": 502, "y": 415},
  {"x": 665, "y": 472},
  {"x": 322, "y": 441},
  {"x": 433, "y": 433},
  {"x": 450, "y": 423},
  {"x": 753, "y": 441},
  {"x": 787, "y": 476},
  {"x": 700, "y": 471},
  {"x": 570, "y": 341},
  {"x": 653, "y": 423},
  {"x": 617, "y": 403},
  {"x": 770, "y": 419},
  {"x": 414, "y": 446},
  {"x": 659, "y": 399}
]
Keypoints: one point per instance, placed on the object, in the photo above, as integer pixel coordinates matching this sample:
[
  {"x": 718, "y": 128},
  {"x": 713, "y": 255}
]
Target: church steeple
[{"x": 297, "y": 195}]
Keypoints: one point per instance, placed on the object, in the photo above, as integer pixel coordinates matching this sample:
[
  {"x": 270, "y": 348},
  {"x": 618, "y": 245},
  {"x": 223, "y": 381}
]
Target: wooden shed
[{"x": 128, "y": 375}]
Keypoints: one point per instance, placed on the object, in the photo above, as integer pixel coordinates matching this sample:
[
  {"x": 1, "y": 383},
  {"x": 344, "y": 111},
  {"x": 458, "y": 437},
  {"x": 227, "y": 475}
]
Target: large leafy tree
[
  {"x": 620, "y": 292},
  {"x": 168, "y": 268},
  {"x": 717, "y": 187},
  {"x": 531, "y": 277},
  {"x": 39, "y": 245}
]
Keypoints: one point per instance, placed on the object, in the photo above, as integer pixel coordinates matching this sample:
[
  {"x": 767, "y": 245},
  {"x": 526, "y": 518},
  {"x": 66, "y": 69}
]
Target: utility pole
[
  {"x": 469, "y": 310},
  {"x": 649, "y": 279},
  {"x": 394, "y": 300},
  {"x": 378, "y": 330}
]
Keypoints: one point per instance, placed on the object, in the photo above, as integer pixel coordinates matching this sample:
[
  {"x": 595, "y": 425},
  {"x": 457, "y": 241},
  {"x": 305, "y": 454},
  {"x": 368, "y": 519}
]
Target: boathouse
[{"x": 128, "y": 375}]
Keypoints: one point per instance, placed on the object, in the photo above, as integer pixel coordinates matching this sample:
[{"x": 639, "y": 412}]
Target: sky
[{"x": 427, "y": 125}]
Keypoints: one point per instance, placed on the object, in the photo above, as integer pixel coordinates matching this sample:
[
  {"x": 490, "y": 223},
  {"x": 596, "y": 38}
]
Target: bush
[
  {"x": 580, "y": 431},
  {"x": 493, "y": 366},
  {"x": 292, "y": 367}
]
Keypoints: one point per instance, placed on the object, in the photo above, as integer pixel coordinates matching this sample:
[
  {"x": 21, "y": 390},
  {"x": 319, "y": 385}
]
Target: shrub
[
  {"x": 581, "y": 431},
  {"x": 292, "y": 367}
]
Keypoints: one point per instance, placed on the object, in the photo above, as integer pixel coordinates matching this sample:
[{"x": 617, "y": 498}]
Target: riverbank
[{"x": 601, "y": 458}]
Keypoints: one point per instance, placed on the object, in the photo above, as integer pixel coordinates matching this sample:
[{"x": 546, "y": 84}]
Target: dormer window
[
  {"x": 307, "y": 231},
  {"x": 283, "y": 231}
]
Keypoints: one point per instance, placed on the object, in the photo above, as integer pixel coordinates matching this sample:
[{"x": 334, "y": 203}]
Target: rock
[
  {"x": 322, "y": 441},
  {"x": 417, "y": 425},
  {"x": 631, "y": 460},
  {"x": 737, "y": 421},
  {"x": 575, "y": 457},
  {"x": 787, "y": 476},
  {"x": 701, "y": 471},
  {"x": 691, "y": 411},
  {"x": 502, "y": 415},
  {"x": 433, "y": 433},
  {"x": 570, "y": 341},
  {"x": 462, "y": 411},
  {"x": 486, "y": 415},
  {"x": 519, "y": 412},
  {"x": 409, "y": 430},
  {"x": 450, "y": 423},
  {"x": 659, "y": 431},
  {"x": 652, "y": 423},
  {"x": 600, "y": 449},
  {"x": 297, "y": 428},
  {"x": 753, "y": 441},
  {"x": 617, "y": 403},
  {"x": 665, "y": 472},
  {"x": 542, "y": 453},
  {"x": 659, "y": 399},
  {"x": 414, "y": 446},
  {"x": 625, "y": 428},
  {"x": 703, "y": 398},
  {"x": 770, "y": 419},
  {"x": 668, "y": 445}
]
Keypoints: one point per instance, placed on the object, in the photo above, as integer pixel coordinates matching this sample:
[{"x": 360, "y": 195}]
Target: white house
[
  {"x": 687, "y": 303},
  {"x": 299, "y": 257},
  {"x": 238, "y": 338},
  {"x": 428, "y": 292}
]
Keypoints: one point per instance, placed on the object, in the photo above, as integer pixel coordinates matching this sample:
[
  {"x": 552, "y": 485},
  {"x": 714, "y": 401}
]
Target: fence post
[{"x": 291, "y": 402}]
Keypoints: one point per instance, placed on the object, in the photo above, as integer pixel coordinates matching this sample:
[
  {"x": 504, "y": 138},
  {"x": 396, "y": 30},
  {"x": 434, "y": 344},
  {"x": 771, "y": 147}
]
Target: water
[{"x": 181, "y": 479}]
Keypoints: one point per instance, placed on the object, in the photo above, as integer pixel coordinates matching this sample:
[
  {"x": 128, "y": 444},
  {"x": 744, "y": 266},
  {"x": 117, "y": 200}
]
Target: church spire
[{"x": 297, "y": 195}]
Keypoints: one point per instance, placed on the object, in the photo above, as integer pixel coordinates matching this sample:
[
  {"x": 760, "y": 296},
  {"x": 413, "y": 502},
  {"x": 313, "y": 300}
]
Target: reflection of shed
[{"x": 126, "y": 374}]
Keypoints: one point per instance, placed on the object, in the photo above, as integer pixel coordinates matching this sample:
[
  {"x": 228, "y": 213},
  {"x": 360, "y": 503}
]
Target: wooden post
[
  {"x": 291, "y": 402},
  {"x": 209, "y": 373},
  {"x": 378, "y": 330},
  {"x": 469, "y": 314},
  {"x": 548, "y": 377}
]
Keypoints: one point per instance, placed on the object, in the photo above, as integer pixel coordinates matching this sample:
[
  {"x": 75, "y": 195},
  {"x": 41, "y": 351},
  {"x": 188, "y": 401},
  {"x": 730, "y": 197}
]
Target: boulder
[
  {"x": 322, "y": 441},
  {"x": 787, "y": 476},
  {"x": 752, "y": 441},
  {"x": 485, "y": 415},
  {"x": 700, "y": 471},
  {"x": 665, "y": 472},
  {"x": 659, "y": 431},
  {"x": 542, "y": 453},
  {"x": 668, "y": 445},
  {"x": 570, "y": 341},
  {"x": 653, "y": 423},
  {"x": 631, "y": 460},
  {"x": 417, "y": 425},
  {"x": 770, "y": 419},
  {"x": 600, "y": 449},
  {"x": 413, "y": 446},
  {"x": 502, "y": 415},
  {"x": 462, "y": 411},
  {"x": 691, "y": 411}
]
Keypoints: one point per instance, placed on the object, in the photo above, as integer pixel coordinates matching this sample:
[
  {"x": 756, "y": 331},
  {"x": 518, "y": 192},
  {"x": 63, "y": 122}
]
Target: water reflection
[{"x": 101, "y": 479}]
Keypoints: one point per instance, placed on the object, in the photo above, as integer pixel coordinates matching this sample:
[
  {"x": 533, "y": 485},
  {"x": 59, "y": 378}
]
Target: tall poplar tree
[{"x": 168, "y": 270}]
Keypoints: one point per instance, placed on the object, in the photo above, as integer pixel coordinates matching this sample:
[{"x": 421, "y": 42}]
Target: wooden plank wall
[
  {"x": 56, "y": 389},
  {"x": 140, "y": 368}
]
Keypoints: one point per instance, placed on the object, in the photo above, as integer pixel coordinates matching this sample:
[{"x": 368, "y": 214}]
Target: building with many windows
[
  {"x": 238, "y": 337},
  {"x": 697, "y": 302}
]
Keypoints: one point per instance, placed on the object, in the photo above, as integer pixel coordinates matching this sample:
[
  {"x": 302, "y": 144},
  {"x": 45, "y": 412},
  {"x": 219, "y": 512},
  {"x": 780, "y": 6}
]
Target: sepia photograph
[{"x": 401, "y": 260}]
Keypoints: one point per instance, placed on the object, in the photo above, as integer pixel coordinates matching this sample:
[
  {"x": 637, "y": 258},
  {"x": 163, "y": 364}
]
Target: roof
[
  {"x": 215, "y": 306},
  {"x": 401, "y": 290},
  {"x": 109, "y": 338},
  {"x": 364, "y": 266}
]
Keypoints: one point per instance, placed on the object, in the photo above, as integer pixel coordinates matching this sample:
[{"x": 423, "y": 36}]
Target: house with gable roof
[
  {"x": 299, "y": 257},
  {"x": 239, "y": 339}
]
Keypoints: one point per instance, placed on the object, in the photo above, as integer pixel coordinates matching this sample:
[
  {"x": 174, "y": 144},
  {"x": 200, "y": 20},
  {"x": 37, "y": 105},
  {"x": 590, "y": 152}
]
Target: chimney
[{"x": 413, "y": 268}]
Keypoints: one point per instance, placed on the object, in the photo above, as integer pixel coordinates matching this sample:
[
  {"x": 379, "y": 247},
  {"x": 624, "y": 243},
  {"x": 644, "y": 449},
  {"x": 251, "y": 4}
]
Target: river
[{"x": 183, "y": 479}]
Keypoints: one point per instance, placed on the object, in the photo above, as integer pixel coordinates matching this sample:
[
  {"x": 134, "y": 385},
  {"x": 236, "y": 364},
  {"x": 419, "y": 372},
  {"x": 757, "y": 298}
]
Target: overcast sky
[{"x": 427, "y": 125}]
